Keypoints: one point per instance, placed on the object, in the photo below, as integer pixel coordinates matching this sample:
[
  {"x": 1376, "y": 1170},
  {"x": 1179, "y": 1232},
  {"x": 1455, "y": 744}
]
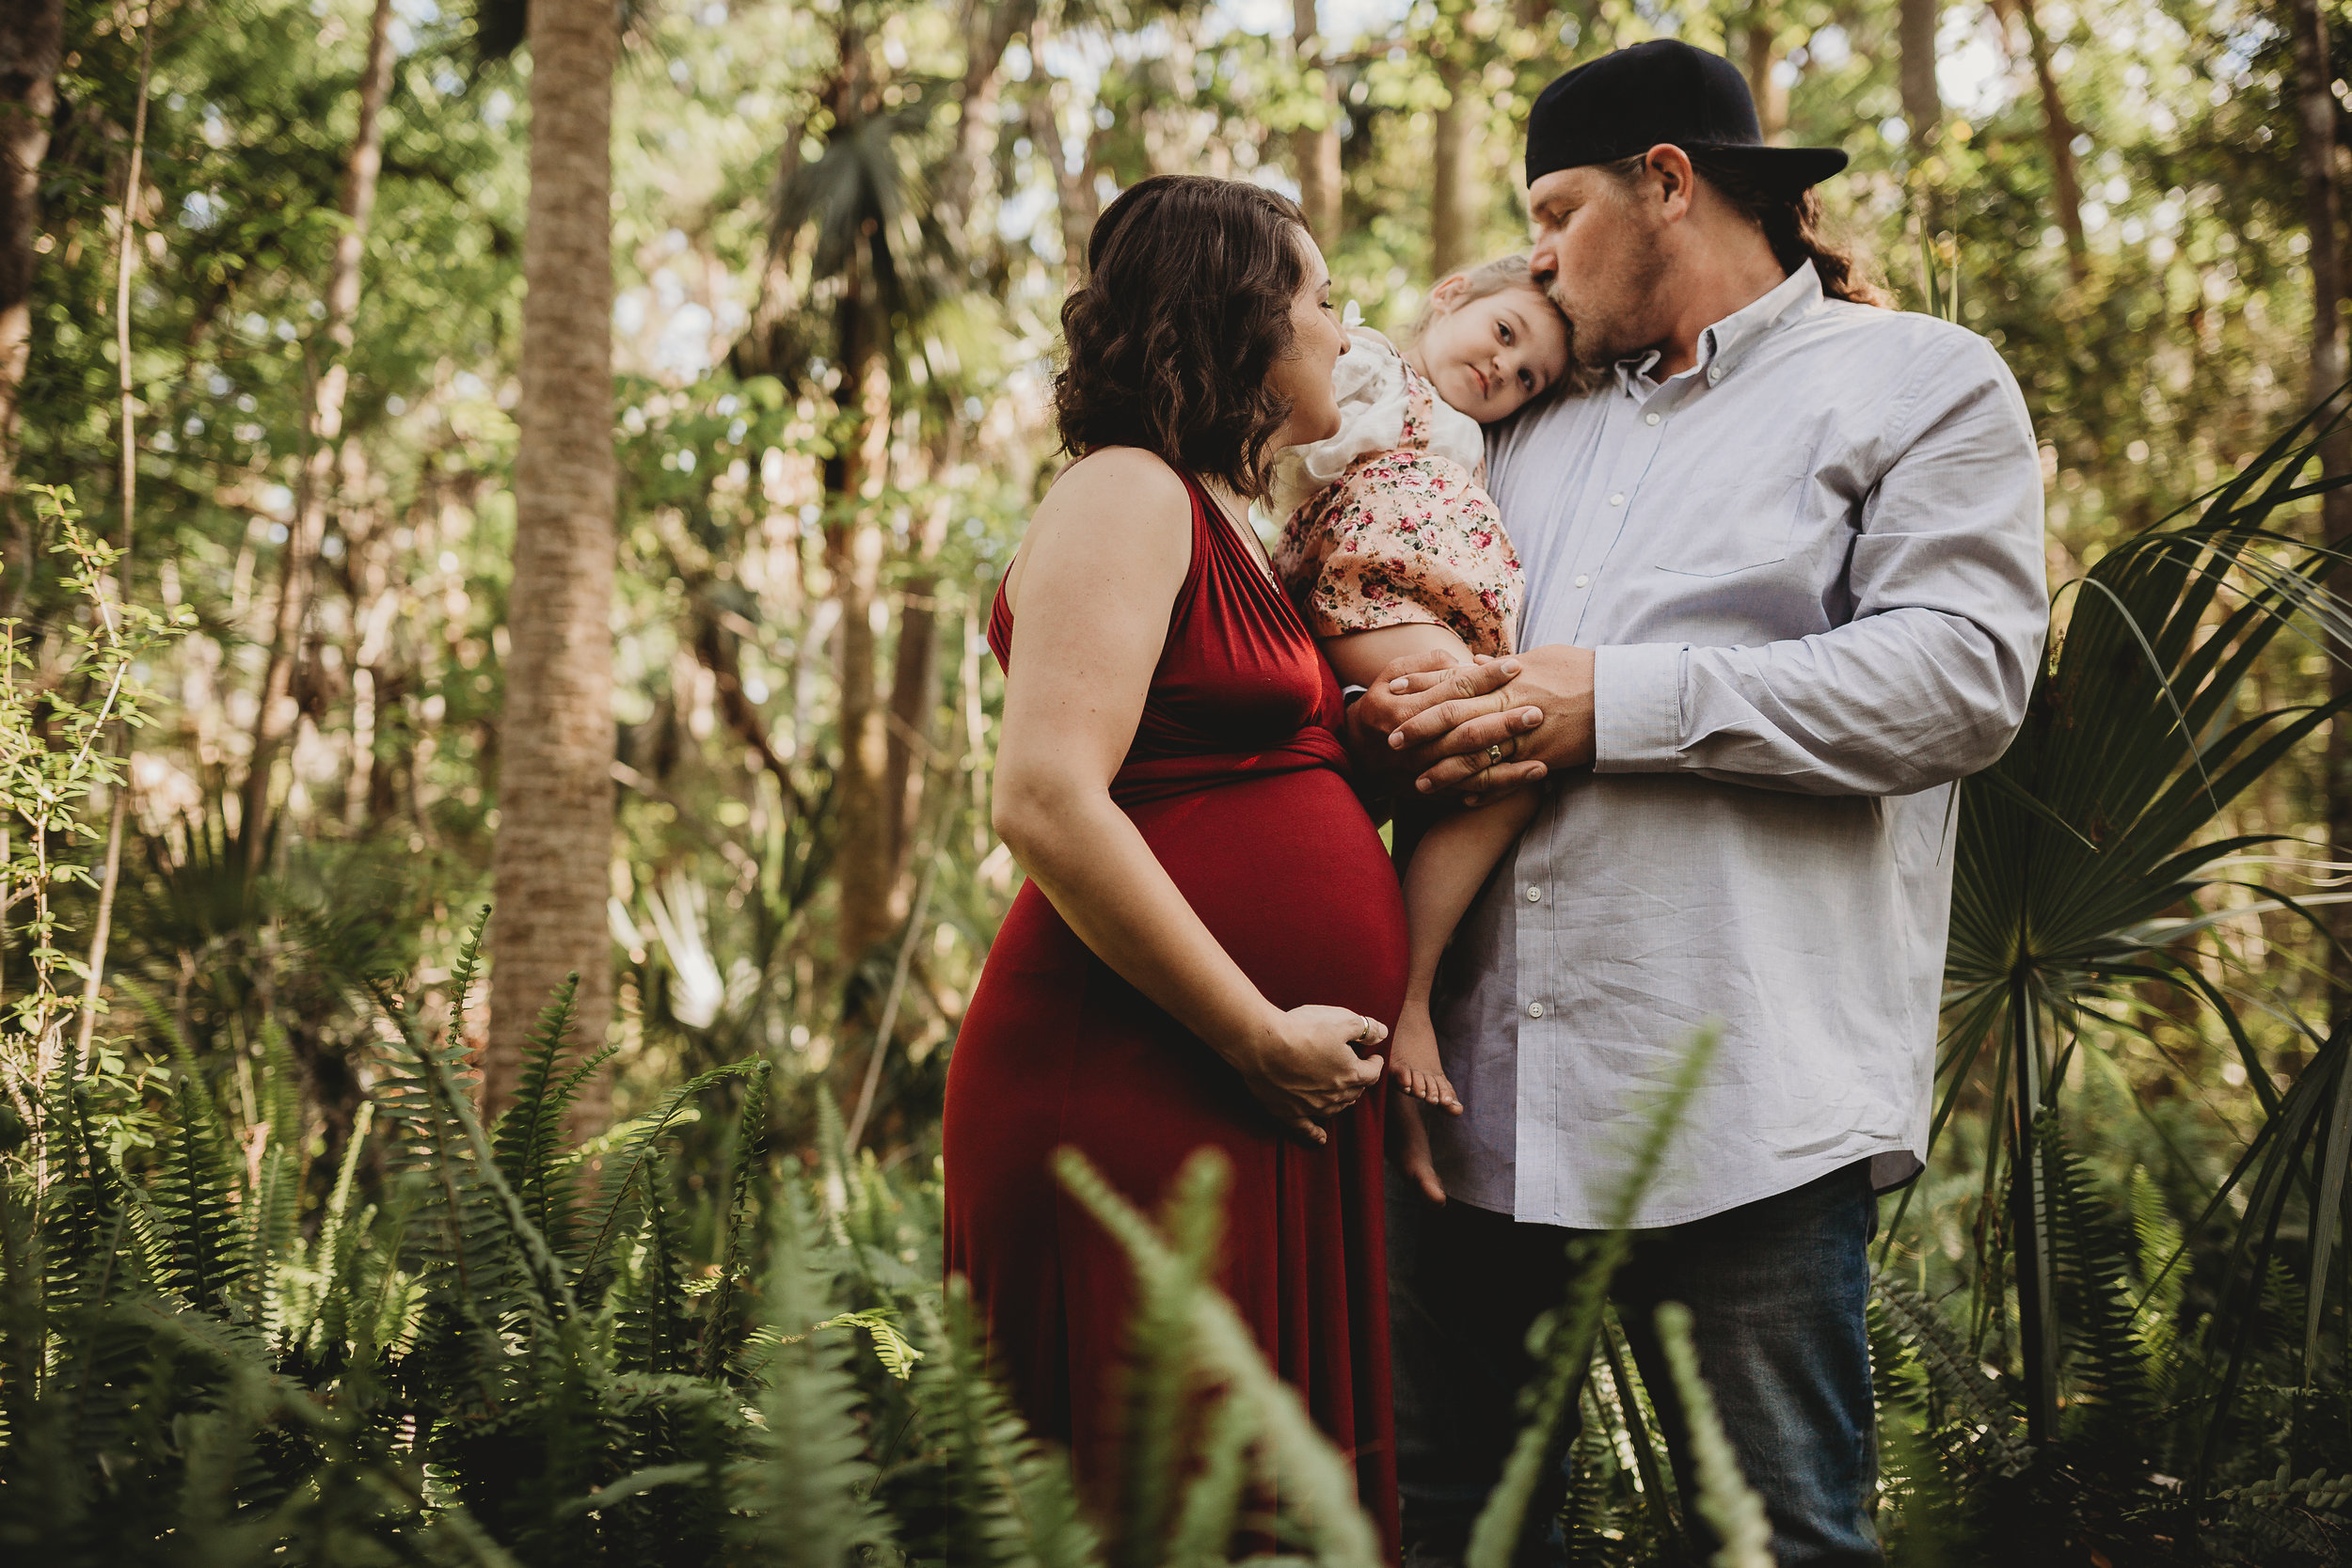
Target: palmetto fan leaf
[
  {"x": 866, "y": 198},
  {"x": 2077, "y": 851}
]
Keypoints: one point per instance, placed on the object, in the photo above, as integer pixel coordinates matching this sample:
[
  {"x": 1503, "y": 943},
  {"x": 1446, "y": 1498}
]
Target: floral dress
[{"x": 1388, "y": 522}]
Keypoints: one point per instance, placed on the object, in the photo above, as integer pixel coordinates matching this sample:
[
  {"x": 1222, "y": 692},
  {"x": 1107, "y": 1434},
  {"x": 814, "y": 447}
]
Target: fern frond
[
  {"x": 721, "y": 1331},
  {"x": 209, "y": 1254},
  {"x": 625, "y": 1164},
  {"x": 1495, "y": 1538},
  {"x": 804, "y": 1490},
  {"x": 1971, "y": 1401},
  {"x": 1008, "y": 1501},
  {"x": 1317, "y": 1485},
  {"x": 1724, "y": 1499},
  {"x": 527, "y": 1135},
  {"x": 652, "y": 1327}
]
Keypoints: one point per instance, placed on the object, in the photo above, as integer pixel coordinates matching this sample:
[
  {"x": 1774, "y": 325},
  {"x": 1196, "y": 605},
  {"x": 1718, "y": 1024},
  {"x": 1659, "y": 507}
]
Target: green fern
[
  {"x": 1503, "y": 1524},
  {"x": 529, "y": 1134},
  {"x": 209, "y": 1254},
  {"x": 805, "y": 1491},
  {"x": 1724, "y": 1497},
  {"x": 1316, "y": 1484},
  {"x": 1003, "y": 1500},
  {"x": 721, "y": 1333}
]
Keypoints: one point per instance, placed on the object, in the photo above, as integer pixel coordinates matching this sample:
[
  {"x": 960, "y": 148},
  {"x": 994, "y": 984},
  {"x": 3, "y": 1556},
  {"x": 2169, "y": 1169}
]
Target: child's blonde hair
[
  {"x": 1478, "y": 282},
  {"x": 1493, "y": 278}
]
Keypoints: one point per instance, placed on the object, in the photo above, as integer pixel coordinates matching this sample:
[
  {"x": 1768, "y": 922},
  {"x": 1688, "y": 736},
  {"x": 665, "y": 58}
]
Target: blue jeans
[{"x": 1777, "y": 1290}]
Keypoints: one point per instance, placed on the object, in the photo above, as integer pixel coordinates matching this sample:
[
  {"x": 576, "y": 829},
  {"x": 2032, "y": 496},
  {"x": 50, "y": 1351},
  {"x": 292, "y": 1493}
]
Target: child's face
[{"x": 1488, "y": 357}]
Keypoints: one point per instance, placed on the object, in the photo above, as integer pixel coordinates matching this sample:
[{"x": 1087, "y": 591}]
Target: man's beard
[{"x": 1617, "y": 330}]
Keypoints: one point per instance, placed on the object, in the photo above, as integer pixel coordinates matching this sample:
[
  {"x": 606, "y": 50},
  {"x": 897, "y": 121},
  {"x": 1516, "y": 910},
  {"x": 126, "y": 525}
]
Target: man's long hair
[
  {"x": 1791, "y": 221},
  {"x": 1792, "y": 226}
]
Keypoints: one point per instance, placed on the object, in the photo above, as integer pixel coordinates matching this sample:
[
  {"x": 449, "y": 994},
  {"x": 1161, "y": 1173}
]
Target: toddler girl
[{"x": 1395, "y": 548}]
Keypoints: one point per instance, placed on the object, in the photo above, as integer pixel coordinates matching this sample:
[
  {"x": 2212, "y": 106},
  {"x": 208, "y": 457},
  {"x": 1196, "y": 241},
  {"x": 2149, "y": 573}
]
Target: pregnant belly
[{"x": 1290, "y": 876}]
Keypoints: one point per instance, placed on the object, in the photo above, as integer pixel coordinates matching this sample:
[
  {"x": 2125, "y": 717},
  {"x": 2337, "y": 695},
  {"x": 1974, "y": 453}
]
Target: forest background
[{"x": 430, "y": 624}]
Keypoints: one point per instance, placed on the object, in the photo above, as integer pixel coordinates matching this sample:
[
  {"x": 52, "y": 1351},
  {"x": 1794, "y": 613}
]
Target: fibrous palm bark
[{"x": 553, "y": 862}]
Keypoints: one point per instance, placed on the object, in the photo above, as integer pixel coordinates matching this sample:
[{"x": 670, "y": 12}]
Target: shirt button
[
  {"x": 1535, "y": 894},
  {"x": 1617, "y": 500},
  {"x": 1582, "y": 579},
  {"x": 1714, "y": 374},
  {"x": 1534, "y": 1010},
  {"x": 1650, "y": 419}
]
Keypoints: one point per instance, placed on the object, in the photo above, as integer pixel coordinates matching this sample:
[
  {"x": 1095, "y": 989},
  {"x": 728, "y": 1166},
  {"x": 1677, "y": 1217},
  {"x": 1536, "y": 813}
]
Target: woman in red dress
[{"x": 1210, "y": 941}]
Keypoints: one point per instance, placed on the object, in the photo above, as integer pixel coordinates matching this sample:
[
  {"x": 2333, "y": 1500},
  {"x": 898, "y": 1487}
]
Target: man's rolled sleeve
[{"x": 1637, "y": 707}]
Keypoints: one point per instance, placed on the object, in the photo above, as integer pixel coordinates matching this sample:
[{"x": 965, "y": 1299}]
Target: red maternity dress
[{"x": 1238, "y": 783}]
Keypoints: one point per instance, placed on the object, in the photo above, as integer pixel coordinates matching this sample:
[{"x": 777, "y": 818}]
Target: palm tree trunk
[
  {"x": 2066, "y": 192},
  {"x": 32, "y": 41},
  {"x": 2323, "y": 220},
  {"x": 314, "y": 490},
  {"x": 865, "y": 867},
  {"x": 1923, "y": 101},
  {"x": 552, "y": 862},
  {"x": 1452, "y": 173},
  {"x": 1316, "y": 148}
]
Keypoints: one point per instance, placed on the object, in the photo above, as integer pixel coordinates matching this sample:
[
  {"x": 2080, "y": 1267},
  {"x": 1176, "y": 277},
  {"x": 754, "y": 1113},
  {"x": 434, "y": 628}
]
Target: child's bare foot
[{"x": 1414, "y": 1062}]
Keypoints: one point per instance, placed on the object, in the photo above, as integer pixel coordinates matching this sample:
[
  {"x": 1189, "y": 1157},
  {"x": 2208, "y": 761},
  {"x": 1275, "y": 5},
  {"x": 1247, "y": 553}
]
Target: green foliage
[{"x": 1724, "y": 1499}]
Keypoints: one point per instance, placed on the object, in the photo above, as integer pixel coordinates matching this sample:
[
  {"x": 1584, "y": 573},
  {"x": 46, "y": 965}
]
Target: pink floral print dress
[{"x": 1407, "y": 532}]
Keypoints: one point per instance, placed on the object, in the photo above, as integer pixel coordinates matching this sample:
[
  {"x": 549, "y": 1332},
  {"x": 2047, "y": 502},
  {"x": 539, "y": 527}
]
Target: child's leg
[{"x": 1449, "y": 866}]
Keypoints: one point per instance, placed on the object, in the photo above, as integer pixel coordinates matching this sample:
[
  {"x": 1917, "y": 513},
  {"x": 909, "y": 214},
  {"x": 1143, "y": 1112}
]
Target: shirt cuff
[{"x": 1637, "y": 707}]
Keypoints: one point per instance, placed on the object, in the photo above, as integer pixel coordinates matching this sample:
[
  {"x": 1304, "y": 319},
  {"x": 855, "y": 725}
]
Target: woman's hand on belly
[{"x": 1305, "y": 1067}]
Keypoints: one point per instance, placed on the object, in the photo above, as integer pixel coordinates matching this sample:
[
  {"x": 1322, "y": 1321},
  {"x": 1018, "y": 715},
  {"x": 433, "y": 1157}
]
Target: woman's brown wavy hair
[{"x": 1172, "y": 338}]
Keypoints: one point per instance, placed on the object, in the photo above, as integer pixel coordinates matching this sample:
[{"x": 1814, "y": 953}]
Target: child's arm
[{"x": 1358, "y": 657}]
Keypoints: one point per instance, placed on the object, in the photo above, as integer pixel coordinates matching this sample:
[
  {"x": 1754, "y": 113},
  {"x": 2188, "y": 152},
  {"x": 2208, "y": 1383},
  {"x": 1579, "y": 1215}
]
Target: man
[{"x": 1785, "y": 586}]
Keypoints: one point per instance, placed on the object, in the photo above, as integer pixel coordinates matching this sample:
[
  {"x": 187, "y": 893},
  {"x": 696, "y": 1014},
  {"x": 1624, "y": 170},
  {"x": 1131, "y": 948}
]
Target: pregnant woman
[{"x": 1211, "y": 943}]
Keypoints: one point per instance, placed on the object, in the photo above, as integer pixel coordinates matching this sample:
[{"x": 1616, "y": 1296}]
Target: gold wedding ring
[{"x": 1494, "y": 753}]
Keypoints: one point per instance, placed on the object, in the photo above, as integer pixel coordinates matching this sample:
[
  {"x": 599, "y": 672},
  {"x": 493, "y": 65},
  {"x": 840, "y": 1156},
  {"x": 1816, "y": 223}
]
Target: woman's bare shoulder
[
  {"x": 1141, "y": 483},
  {"x": 1119, "y": 513}
]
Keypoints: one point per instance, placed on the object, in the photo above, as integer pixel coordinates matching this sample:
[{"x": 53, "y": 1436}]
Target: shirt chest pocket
[{"x": 1742, "y": 515}]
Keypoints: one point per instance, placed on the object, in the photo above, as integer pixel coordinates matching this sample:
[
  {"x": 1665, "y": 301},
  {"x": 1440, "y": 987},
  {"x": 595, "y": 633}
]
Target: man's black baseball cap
[{"x": 1626, "y": 102}]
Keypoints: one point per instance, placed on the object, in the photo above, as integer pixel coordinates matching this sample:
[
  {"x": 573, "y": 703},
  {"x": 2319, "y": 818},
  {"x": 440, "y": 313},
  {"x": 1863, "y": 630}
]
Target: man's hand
[
  {"x": 1479, "y": 742},
  {"x": 1416, "y": 686}
]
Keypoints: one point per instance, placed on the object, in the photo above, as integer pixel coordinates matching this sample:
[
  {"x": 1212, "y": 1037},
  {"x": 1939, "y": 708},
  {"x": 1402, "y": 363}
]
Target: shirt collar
[{"x": 1724, "y": 345}]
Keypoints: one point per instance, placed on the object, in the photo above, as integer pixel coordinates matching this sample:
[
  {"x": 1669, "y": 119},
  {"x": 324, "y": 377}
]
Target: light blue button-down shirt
[{"x": 1811, "y": 569}]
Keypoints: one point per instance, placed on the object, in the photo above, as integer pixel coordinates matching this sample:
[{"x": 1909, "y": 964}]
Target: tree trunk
[
  {"x": 2065, "y": 186},
  {"x": 1316, "y": 148},
  {"x": 914, "y": 673},
  {"x": 1759, "y": 42},
  {"x": 314, "y": 489},
  {"x": 864, "y": 868},
  {"x": 988, "y": 31},
  {"x": 2323, "y": 220},
  {"x": 32, "y": 33},
  {"x": 1073, "y": 182},
  {"x": 1923, "y": 103},
  {"x": 553, "y": 857},
  {"x": 1453, "y": 172}
]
